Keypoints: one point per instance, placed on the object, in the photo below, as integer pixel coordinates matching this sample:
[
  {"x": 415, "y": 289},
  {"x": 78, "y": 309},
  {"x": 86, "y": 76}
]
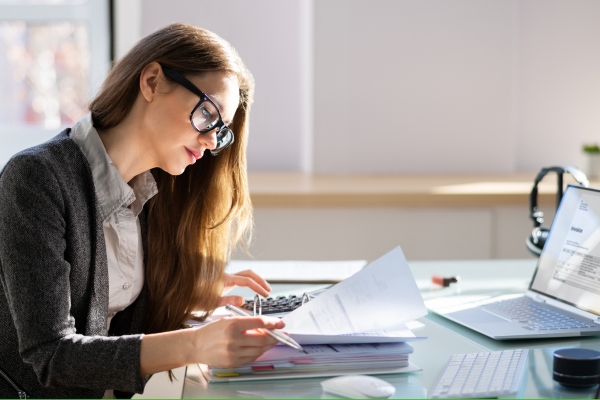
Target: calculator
[
  {"x": 276, "y": 305},
  {"x": 281, "y": 304}
]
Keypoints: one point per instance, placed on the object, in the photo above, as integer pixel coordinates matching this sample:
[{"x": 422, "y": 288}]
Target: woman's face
[{"x": 174, "y": 141}]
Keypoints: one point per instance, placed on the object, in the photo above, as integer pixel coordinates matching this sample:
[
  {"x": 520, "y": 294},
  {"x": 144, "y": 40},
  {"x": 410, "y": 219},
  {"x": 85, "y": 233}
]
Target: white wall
[
  {"x": 411, "y": 86},
  {"x": 559, "y": 80},
  {"x": 127, "y": 25},
  {"x": 451, "y": 85},
  {"x": 272, "y": 39},
  {"x": 407, "y": 86}
]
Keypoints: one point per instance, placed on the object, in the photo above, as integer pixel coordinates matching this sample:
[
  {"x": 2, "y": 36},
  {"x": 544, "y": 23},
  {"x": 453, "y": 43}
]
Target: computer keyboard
[
  {"x": 486, "y": 374},
  {"x": 535, "y": 316}
]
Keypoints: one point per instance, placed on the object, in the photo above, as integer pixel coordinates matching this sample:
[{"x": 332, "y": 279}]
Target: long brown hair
[{"x": 198, "y": 217}]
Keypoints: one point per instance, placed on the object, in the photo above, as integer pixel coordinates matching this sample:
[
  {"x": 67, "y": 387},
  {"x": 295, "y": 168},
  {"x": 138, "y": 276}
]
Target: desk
[{"x": 445, "y": 338}]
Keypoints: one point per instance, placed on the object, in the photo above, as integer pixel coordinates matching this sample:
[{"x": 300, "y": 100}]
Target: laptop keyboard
[
  {"x": 535, "y": 316},
  {"x": 485, "y": 374}
]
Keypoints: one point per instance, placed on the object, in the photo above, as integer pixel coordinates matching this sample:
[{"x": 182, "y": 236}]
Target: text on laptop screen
[{"x": 569, "y": 267}]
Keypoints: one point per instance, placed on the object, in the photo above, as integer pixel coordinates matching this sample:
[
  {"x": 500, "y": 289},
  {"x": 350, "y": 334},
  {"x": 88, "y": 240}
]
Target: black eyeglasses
[{"x": 205, "y": 117}]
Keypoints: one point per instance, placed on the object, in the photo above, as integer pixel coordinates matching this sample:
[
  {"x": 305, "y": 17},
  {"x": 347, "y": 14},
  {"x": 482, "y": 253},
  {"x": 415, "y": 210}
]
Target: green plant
[{"x": 591, "y": 148}]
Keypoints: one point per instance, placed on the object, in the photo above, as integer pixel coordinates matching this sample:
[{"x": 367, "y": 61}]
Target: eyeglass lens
[
  {"x": 205, "y": 117},
  {"x": 224, "y": 139}
]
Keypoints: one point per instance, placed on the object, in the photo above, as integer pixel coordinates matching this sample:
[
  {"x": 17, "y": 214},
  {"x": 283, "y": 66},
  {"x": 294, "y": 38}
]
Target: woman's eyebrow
[{"x": 217, "y": 101}]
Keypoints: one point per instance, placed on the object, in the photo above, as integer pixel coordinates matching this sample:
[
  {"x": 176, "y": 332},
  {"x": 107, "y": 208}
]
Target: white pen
[{"x": 277, "y": 334}]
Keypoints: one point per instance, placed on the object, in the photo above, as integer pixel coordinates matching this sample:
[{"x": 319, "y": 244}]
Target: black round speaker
[{"x": 575, "y": 367}]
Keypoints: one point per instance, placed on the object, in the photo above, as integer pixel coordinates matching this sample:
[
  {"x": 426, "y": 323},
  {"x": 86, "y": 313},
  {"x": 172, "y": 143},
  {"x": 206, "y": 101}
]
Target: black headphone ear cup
[{"x": 536, "y": 241}]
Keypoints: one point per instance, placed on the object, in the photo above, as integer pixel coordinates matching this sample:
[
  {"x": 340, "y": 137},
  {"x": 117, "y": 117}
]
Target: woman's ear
[{"x": 149, "y": 80}]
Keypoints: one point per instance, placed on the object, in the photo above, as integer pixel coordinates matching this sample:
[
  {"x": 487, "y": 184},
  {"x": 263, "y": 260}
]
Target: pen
[{"x": 278, "y": 335}]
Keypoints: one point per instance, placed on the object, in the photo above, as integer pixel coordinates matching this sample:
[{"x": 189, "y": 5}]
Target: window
[{"x": 54, "y": 55}]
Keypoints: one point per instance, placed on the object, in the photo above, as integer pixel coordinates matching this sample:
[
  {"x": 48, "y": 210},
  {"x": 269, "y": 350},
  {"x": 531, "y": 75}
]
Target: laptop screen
[{"x": 569, "y": 266}]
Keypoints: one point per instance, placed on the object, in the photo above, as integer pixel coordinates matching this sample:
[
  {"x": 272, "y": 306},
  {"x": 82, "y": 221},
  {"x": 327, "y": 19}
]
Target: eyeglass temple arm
[{"x": 182, "y": 80}]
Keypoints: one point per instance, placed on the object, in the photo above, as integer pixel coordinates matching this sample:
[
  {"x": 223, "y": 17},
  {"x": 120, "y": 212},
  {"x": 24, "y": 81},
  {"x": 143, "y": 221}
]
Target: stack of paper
[
  {"x": 357, "y": 325},
  {"x": 323, "y": 358}
]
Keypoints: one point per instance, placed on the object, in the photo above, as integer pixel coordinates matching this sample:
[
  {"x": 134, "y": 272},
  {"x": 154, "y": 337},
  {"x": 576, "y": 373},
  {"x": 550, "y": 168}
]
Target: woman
[{"x": 123, "y": 224}]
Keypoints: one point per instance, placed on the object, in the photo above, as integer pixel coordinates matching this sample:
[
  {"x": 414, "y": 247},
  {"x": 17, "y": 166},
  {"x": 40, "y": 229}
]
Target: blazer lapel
[{"x": 98, "y": 311}]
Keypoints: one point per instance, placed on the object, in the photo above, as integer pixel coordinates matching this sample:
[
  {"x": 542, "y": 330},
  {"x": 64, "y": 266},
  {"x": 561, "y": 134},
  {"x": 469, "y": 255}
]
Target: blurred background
[{"x": 375, "y": 123}]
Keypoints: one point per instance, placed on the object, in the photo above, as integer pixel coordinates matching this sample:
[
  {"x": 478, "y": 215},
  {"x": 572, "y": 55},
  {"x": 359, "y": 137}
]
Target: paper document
[
  {"x": 299, "y": 271},
  {"x": 281, "y": 359},
  {"x": 384, "y": 336},
  {"x": 380, "y": 296},
  {"x": 314, "y": 353},
  {"x": 399, "y": 334},
  {"x": 207, "y": 376},
  {"x": 579, "y": 262}
]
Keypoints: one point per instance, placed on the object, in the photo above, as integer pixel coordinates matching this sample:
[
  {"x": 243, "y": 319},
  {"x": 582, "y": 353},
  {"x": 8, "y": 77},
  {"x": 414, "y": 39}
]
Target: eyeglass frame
[{"x": 183, "y": 81}]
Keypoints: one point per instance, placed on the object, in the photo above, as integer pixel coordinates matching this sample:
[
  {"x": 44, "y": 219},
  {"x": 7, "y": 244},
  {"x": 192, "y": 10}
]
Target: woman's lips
[{"x": 194, "y": 155}]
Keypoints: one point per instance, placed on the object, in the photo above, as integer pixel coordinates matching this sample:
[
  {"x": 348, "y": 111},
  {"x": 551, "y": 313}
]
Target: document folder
[
  {"x": 320, "y": 360},
  {"x": 357, "y": 325},
  {"x": 205, "y": 370}
]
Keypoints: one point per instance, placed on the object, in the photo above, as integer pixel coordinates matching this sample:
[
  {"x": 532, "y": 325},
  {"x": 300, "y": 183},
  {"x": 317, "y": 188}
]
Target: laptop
[{"x": 563, "y": 298}]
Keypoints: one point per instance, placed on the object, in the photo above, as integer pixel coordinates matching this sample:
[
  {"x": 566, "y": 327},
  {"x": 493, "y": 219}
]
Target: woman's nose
[{"x": 209, "y": 139}]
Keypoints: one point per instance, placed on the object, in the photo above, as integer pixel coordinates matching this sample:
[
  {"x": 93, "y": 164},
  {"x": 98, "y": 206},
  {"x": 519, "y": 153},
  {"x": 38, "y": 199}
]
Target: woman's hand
[
  {"x": 226, "y": 343},
  {"x": 231, "y": 342},
  {"x": 245, "y": 278}
]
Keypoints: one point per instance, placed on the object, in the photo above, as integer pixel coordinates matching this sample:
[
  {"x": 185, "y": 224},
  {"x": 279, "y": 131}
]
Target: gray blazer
[{"x": 54, "y": 274}]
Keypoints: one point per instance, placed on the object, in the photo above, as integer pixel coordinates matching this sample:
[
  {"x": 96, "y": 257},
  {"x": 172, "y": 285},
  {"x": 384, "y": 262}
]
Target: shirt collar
[{"x": 112, "y": 191}]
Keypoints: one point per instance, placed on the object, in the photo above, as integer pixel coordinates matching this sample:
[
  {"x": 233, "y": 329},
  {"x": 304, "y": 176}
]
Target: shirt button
[{"x": 126, "y": 286}]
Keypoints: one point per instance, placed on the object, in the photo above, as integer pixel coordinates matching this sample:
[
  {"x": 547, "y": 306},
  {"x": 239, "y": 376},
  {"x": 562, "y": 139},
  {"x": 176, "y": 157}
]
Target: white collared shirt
[{"x": 119, "y": 205}]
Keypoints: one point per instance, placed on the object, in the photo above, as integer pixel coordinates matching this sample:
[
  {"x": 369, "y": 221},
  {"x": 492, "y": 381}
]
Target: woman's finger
[
  {"x": 257, "y": 278},
  {"x": 258, "y": 340},
  {"x": 249, "y": 283},
  {"x": 240, "y": 357},
  {"x": 233, "y": 300},
  {"x": 248, "y": 323}
]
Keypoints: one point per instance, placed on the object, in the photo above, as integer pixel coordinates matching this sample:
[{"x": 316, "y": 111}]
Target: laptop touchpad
[{"x": 475, "y": 316}]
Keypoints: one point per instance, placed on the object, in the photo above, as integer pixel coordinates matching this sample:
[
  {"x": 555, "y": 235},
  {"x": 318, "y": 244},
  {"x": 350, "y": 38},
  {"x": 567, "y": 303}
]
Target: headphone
[{"x": 536, "y": 241}]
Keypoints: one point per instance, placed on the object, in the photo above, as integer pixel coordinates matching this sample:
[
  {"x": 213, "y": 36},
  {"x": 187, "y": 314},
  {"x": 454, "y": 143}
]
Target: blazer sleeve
[{"x": 35, "y": 277}]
